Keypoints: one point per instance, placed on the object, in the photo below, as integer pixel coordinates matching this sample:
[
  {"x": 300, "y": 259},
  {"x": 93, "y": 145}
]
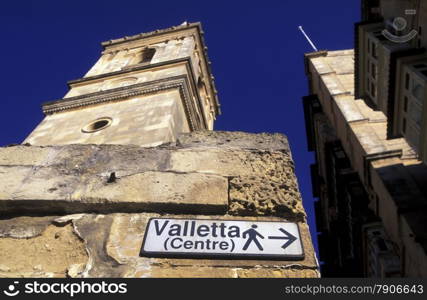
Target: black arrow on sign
[{"x": 289, "y": 237}]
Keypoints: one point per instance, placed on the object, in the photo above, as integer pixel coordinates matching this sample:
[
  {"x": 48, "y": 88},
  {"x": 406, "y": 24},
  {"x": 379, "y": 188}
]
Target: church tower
[
  {"x": 125, "y": 177},
  {"x": 143, "y": 90}
]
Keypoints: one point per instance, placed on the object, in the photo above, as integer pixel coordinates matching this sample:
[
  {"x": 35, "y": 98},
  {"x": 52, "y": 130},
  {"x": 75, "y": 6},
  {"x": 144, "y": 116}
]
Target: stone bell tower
[
  {"x": 143, "y": 90},
  {"x": 125, "y": 177}
]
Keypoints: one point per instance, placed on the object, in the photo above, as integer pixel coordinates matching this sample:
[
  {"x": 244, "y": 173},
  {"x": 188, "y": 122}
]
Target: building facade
[
  {"x": 365, "y": 120},
  {"x": 391, "y": 66},
  {"x": 132, "y": 144}
]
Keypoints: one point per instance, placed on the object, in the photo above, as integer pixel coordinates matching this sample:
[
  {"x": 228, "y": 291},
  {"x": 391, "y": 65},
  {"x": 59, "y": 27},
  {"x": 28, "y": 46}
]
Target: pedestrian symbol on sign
[{"x": 252, "y": 237}]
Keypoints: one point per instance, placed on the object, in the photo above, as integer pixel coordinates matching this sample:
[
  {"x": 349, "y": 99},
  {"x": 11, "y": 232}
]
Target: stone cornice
[
  {"x": 121, "y": 94},
  {"x": 184, "y": 26},
  {"x": 70, "y": 83},
  {"x": 310, "y": 55}
]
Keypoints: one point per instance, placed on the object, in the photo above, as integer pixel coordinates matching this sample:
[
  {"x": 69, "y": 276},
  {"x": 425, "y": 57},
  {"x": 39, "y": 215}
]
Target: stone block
[
  {"x": 25, "y": 155},
  {"x": 234, "y": 139},
  {"x": 159, "y": 191},
  {"x": 231, "y": 162},
  {"x": 276, "y": 273},
  {"x": 48, "y": 189},
  {"x": 24, "y": 227},
  {"x": 208, "y": 161},
  {"x": 49, "y": 254},
  {"x": 250, "y": 195},
  {"x": 184, "y": 272},
  {"x": 11, "y": 179}
]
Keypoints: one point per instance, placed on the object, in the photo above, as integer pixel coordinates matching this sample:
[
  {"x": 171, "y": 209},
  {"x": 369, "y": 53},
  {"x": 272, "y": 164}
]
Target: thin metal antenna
[{"x": 308, "y": 39}]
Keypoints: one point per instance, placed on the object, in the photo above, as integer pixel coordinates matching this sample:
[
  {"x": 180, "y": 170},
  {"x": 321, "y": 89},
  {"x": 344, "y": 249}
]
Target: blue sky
[{"x": 255, "y": 48}]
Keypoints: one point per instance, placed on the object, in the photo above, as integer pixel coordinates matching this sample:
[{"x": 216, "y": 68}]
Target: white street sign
[{"x": 222, "y": 239}]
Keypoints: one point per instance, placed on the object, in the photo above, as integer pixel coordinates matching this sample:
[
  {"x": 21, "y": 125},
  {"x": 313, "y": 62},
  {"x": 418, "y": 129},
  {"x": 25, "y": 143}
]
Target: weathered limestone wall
[
  {"x": 122, "y": 80},
  {"x": 146, "y": 120},
  {"x": 117, "y": 59},
  {"x": 85, "y": 207}
]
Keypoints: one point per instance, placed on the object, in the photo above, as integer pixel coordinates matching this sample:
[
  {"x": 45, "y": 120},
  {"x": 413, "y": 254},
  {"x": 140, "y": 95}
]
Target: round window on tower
[{"x": 97, "y": 125}]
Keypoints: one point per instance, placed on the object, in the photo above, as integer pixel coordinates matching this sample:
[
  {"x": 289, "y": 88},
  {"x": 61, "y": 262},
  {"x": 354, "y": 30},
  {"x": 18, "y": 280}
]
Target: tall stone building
[
  {"x": 366, "y": 122},
  {"x": 124, "y": 177},
  {"x": 391, "y": 67}
]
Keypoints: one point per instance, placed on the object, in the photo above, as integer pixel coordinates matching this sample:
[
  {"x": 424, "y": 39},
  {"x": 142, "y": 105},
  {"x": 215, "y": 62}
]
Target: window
[
  {"x": 405, "y": 104},
  {"x": 404, "y": 125},
  {"x": 415, "y": 113},
  {"x": 340, "y": 154},
  {"x": 377, "y": 206},
  {"x": 97, "y": 125},
  {"x": 373, "y": 90},
  {"x": 373, "y": 70},
  {"x": 381, "y": 244},
  {"x": 418, "y": 91},
  {"x": 413, "y": 137},
  {"x": 407, "y": 81},
  {"x": 374, "y": 50},
  {"x": 147, "y": 54}
]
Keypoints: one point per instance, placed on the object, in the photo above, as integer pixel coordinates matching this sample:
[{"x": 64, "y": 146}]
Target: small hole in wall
[
  {"x": 147, "y": 55},
  {"x": 97, "y": 125},
  {"x": 112, "y": 178}
]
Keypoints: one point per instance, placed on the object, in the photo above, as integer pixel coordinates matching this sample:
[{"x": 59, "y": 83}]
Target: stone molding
[{"x": 122, "y": 93}]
